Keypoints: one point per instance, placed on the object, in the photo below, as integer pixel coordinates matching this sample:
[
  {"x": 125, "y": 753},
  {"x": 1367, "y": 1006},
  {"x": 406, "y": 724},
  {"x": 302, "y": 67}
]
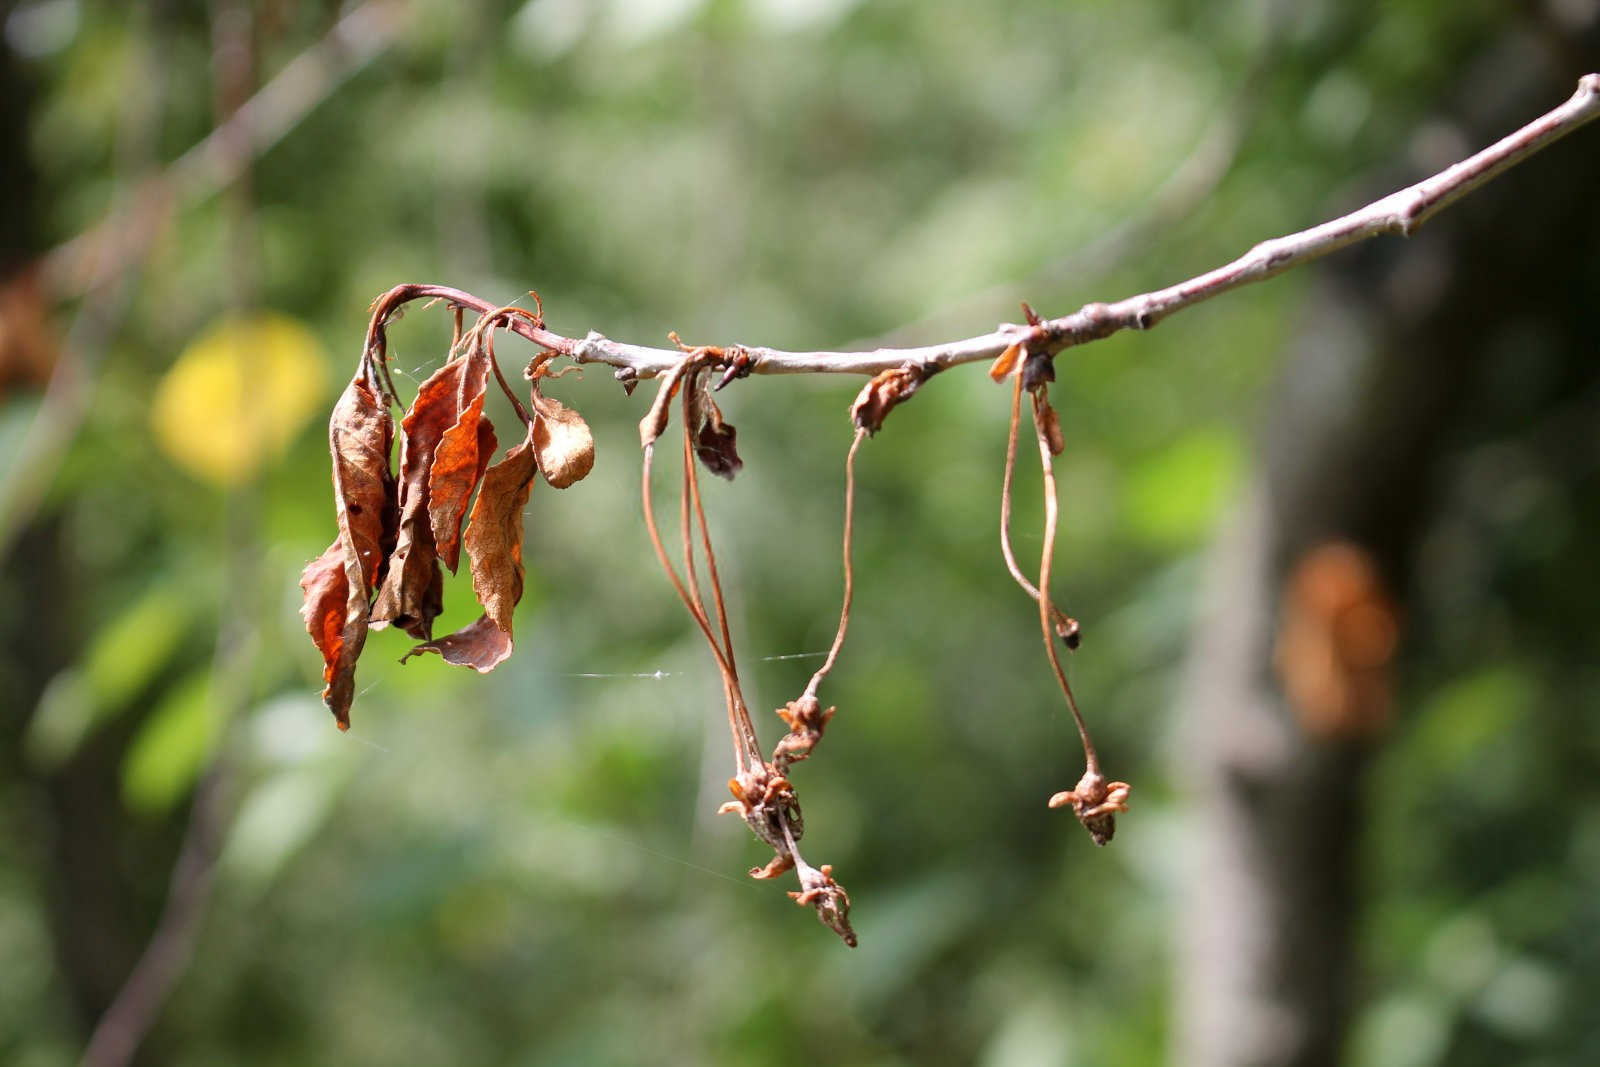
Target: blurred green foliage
[{"x": 523, "y": 868}]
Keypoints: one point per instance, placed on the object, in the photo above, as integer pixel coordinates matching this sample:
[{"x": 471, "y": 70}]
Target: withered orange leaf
[
  {"x": 1006, "y": 362},
  {"x": 481, "y": 646},
  {"x": 458, "y": 462},
  {"x": 494, "y": 533},
  {"x": 337, "y": 622},
  {"x": 562, "y": 442},
  {"x": 411, "y": 595},
  {"x": 339, "y": 583}
]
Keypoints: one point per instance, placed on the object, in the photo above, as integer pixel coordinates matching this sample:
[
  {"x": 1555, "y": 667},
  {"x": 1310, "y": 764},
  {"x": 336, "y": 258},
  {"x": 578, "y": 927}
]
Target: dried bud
[
  {"x": 1045, "y": 418},
  {"x": 880, "y": 396},
  {"x": 818, "y": 890},
  {"x": 1069, "y": 631},
  {"x": 1095, "y": 802},
  {"x": 1037, "y": 370},
  {"x": 806, "y": 719}
]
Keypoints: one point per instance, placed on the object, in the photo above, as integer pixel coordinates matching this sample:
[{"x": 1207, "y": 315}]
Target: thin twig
[
  {"x": 119, "y": 1032},
  {"x": 113, "y": 245},
  {"x": 1401, "y": 213}
]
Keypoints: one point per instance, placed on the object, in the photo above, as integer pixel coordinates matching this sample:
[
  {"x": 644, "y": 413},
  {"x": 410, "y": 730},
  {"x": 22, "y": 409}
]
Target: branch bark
[{"x": 1401, "y": 212}]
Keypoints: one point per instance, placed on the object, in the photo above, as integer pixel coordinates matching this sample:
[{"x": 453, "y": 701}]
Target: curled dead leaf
[
  {"x": 715, "y": 440},
  {"x": 459, "y": 457},
  {"x": 483, "y": 646},
  {"x": 337, "y": 623},
  {"x": 338, "y": 584},
  {"x": 561, "y": 441},
  {"x": 881, "y": 395},
  {"x": 494, "y": 534},
  {"x": 412, "y": 592},
  {"x": 654, "y": 423},
  {"x": 360, "y": 437}
]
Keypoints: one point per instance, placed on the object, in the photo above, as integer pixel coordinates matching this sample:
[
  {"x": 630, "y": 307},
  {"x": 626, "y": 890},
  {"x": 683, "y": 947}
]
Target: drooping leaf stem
[
  {"x": 742, "y": 746},
  {"x": 1046, "y": 608},
  {"x": 849, "y": 571},
  {"x": 747, "y": 745},
  {"x": 1066, "y": 627}
]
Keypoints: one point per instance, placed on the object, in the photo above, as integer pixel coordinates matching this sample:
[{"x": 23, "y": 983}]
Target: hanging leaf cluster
[{"x": 400, "y": 530}]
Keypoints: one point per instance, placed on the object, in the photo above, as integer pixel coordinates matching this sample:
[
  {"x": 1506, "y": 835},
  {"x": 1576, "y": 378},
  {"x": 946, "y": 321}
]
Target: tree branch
[
  {"x": 88, "y": 260},
  {"x": 1400, "y": 212}
]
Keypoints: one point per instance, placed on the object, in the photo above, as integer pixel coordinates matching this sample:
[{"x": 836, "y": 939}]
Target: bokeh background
[{"x": 1366, "y": 809}]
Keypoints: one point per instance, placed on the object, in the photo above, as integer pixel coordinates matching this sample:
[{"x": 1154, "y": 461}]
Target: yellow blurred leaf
[{"x": 237, "y": 396}]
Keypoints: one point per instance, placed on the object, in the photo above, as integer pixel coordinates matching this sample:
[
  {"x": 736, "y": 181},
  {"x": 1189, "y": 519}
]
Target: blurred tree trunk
[
  {"x": 81, "y": 864},
  {"x": 1385, "y": 383}
]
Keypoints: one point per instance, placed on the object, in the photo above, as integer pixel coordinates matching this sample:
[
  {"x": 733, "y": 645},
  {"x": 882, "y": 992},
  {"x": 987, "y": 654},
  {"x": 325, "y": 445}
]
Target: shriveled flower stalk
[
  {"x": 1094, "y": 800},
  {"x": 762, "y": 794}
]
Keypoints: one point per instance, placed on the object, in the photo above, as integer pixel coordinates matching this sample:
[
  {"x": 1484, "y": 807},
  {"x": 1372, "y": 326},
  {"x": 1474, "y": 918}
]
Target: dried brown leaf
[
  {"x": 716, "y": 442},
  {"x": 458, "y": 460},
  {"x": 360, "y": 437},
  {"x": 881, "y": 395},
  {"x": 411, "y": 595},
  {"x": 494, "y": 534},
  {"x": 561, "y": 441},
  {"x": 481, "y": 646},
  {"x": 339, "y": 583},
  {"x": 337, "y": 624},
  {"x": 655, "y": 420}
]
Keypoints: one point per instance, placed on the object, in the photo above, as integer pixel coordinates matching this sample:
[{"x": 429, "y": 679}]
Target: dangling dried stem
[
  {"x": 762, "y": 795},
  {"x": 1046, "y": 608},
  {"x": 747, "y": 745},
  {"x": 482, "y": 333},
  {"x": 744, "y": 747},
  {"x": 666, "y": 564},
  {"x": 849, "y": 571},
  {"x": 1067, "y": 627},
  {"x": 691, "y": 494},
  {"x": 1094, "y": 800}
]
